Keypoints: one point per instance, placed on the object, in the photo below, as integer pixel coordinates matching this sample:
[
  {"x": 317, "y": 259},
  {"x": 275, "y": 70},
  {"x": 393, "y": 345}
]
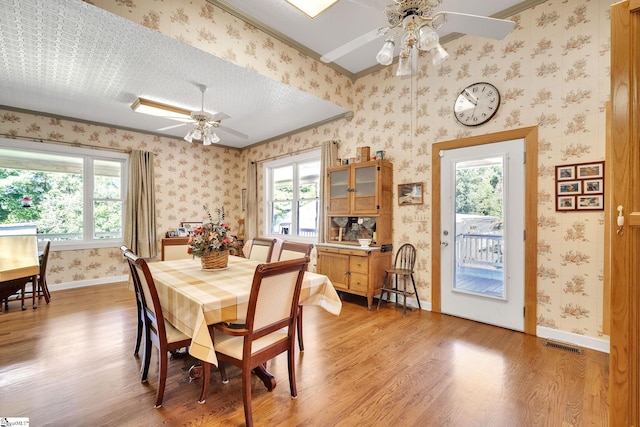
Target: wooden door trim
[
  {"x": 624, "y": 154},
  {"x": 530, "y": 135}
]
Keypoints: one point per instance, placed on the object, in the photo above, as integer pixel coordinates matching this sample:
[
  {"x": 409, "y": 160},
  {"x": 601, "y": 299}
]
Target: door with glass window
[{"x": 482, "y": 233}]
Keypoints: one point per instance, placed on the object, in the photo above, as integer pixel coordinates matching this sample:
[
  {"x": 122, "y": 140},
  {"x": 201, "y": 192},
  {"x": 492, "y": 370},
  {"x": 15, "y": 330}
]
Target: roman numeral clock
[{"x": 477, "y": 104}]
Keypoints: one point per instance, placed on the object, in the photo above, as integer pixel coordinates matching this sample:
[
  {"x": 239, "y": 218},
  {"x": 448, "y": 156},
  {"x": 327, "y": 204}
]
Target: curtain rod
[
  {"x": 66, "y": 143},
  {"x": 337, "y": 141}
]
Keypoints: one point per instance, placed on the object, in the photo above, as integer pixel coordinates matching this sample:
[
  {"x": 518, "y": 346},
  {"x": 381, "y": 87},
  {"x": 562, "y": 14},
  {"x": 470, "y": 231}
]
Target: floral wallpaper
[{"x": 552, "y": 72}]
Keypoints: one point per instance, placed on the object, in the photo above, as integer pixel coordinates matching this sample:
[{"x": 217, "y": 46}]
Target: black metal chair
[{"x": 402, "y": 267}]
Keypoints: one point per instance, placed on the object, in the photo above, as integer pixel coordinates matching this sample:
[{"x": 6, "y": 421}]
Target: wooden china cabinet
[{"x": 359, "y": 205}]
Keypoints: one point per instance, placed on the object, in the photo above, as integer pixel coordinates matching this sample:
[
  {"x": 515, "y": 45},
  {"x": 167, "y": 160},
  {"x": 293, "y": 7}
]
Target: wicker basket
[{"x": 215, "y": 260}]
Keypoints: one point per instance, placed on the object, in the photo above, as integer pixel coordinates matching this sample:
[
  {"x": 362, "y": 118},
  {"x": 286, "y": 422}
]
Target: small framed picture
[
  {"x": 593, "y": 186},
  {"x": 565, "y": 173},
  {"x": 591, "y": 202},
  {"x": 410, "y": 194},
  {"x": 566, "y": 188},
  {"x": 590, "y": 170},
  {"x": 182, "y": 232},
  {"x": 190, "y": 226},
  {"x": 566, "y": 203}
]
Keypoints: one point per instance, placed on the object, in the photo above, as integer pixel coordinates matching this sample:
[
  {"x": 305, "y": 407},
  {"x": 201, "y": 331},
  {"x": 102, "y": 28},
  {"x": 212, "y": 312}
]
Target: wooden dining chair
[
  {"x": 270, "y": 326},
  {"x": 40, "y": 288},
  {"x": 261, "y": 249},
  {"x": 402, "y": 267},
  {"x": 293, "y": 250},
  {"x": 139, "y": 311},
  {"x": 157, "y": 330}
]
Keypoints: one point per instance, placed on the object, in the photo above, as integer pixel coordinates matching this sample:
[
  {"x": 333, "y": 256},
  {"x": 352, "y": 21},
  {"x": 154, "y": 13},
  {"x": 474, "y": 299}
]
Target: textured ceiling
[{"x": 71, "y": 59}]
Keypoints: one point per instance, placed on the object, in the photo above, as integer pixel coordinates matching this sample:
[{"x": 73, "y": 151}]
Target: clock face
[{"x": 476, "y": 104}]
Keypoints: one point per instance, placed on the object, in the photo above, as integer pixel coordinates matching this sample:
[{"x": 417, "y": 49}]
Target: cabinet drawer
[
  {"x": 358, "y": 282},
  {"x": 359, "y": 264}
]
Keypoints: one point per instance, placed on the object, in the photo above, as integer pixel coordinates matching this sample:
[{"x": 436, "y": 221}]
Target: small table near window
[{"x": 19, "y": 264}]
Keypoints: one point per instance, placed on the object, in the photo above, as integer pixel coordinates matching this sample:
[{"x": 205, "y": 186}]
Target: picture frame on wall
[
  {"x": 410, "y": 193},
  {"x": 580, "y": 187},
  {"x": 590, "y": 170},
  {"x": 564, "y": 173},
  {"x": 566, "y": 203},
  {"x": 591, "y": 202}
]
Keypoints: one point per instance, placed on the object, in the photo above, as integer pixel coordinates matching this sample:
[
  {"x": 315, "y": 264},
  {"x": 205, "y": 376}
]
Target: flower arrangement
[{"x": 212, "y": 236}]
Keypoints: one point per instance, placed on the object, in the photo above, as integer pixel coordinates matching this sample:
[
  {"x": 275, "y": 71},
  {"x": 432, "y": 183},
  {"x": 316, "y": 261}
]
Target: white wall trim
[
  {"x": 598, "y": 344},
  {"x": 90, "y": 282}
]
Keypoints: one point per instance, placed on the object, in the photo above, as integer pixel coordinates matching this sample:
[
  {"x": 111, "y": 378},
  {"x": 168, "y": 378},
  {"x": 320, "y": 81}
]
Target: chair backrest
[
  {"x": 406, "y": 257},
  {"x": 43, "y": 263},
  {"x": 261, "y": 249},
  {"x": 275, "y": 293},
  {"x": 293, "y": 250},
  {"x": 147, "y": 293}
]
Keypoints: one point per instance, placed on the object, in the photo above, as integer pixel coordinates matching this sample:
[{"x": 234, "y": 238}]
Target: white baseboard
[
  {"x": 598, "y": 344},
  {"x": 90, "y": 282}
]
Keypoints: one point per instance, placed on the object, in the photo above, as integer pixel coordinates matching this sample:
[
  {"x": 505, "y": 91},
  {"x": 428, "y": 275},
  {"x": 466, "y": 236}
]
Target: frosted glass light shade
[{"x": 385, "y": 56}]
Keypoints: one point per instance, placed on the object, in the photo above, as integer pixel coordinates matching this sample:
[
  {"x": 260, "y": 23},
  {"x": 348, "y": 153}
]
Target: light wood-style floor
[{"x": 71, "y": 363}]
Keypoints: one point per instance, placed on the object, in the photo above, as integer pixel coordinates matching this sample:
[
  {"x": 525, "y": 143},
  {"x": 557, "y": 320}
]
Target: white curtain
[
  {"x": 251, "y": 229},
  {"x": 140, "y": 216},
  {"x": 328, "y": 157}
]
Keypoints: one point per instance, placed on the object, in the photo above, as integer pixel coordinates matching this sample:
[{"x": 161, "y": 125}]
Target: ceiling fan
[
  {"x": 413, "y": 23},
  {"x": 204, "y": 124}
]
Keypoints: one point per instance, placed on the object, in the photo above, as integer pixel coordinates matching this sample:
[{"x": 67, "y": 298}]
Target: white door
[{"x": 482, "y": 234}]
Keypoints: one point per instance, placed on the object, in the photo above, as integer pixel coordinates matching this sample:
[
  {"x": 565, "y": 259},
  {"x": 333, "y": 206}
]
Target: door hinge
[
  {"x": 377, "y": 167},
  {"x": 378, "y": 207},
  {"x": 524, "y": 311},
  {"x": 524, "y": 158},
  {"x": 524, "y": 234}
]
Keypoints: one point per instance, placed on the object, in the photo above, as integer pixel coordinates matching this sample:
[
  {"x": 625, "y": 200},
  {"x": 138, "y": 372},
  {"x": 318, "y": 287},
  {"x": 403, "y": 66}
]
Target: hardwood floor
[{"x": 71, "y": 363}]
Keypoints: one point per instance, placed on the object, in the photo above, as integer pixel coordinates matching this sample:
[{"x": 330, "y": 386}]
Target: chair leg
[
  {"x": 246, "y": 396},
  {"x": 22, "y": 297},
  {"x": 404, "y": 295},
  {"x": 292, "y": 374},
  {"x": 223, "y": 372},
  {"x": 162, "y": 380},
  {"x": 138, "y": 337},
  {"x": 383, "y": 289},
  {"x": 146, "y": 355},
  {"x": 299, "y": 326},
  {"x": 415, "y": 289}
]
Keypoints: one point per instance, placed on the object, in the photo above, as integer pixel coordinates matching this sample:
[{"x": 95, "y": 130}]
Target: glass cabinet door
[
  {"x": 365, "y": 190},
  {"x": 338, "y": 186}
]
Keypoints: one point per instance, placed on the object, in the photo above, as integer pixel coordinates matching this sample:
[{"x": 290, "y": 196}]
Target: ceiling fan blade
[
  {"x": 476, "y": 25},
  {"x": 354, "y": 44},
  {"x": 233, "y": 132},
  {"x": 219, "y": 116},
  {"x": 172, "y": 126}
]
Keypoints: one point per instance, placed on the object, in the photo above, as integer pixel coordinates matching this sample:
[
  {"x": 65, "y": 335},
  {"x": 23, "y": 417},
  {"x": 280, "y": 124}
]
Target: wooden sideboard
[{"x": 355, "y": 270}]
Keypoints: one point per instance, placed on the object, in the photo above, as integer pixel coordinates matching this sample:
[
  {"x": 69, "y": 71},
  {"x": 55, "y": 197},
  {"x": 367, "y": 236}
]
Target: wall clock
[{"x": 476, "y": 104}]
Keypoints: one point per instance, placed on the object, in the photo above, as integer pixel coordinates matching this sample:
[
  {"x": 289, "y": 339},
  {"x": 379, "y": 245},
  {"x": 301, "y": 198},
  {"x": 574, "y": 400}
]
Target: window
[
  {"x": 292, "y": 193},
  {"x": 77, "y": 194}
]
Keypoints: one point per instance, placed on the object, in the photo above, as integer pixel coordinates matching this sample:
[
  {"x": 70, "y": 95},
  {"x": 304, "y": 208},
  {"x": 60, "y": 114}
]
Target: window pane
[
  {"x": 106, "y": 180},
  {"x": 309, "y": 179},
  {"x": 308, "y": 221},
  {"x": 281, "y": 218},
  {"x": 107, "y": 219},
  {"x": 283, "y": 183}
]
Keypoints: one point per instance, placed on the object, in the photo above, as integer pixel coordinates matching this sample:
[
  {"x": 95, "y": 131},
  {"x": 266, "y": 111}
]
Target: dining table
[
  {"x": 19, "y": 264},
  {"x": 193, "y": 298}
]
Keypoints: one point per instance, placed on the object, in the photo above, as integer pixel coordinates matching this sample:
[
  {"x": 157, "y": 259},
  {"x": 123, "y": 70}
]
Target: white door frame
[{"x": 530, "y": 135}]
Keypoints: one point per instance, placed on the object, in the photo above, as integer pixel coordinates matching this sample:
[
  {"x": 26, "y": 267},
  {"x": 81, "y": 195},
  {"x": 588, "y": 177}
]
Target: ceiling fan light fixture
[
  {"x": 385, "y": 56},
  {"x": 312, "y": 8},
  {"x": 189, "y": 136},
  {"x": 427, "y": 38},
  {"x": 404, "y": 64},
  {"x": 438, "y": 54},
  {"x": 146, "y": 106}
]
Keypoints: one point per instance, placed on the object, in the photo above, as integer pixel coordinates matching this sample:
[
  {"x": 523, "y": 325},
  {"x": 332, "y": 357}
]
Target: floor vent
[{"x": 563, "y": 347}]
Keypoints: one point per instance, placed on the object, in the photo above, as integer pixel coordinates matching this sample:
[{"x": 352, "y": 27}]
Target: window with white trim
[
  {"x": 292, "y": 191},
  {"x": 77, "y": 195}
]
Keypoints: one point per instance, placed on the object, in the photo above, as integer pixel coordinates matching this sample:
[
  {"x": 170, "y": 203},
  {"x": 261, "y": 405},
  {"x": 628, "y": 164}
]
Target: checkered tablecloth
[{"x": 193, "y": 298}]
